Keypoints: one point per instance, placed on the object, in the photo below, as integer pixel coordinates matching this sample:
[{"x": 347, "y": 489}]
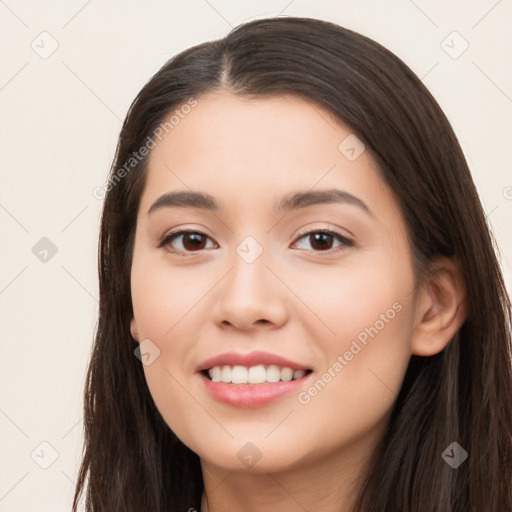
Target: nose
[{"x": 250, "y": 296}]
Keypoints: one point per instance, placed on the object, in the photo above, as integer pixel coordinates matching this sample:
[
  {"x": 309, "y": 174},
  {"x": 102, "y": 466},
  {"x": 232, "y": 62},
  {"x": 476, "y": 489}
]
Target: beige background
[{"x": 61, "y": 115}]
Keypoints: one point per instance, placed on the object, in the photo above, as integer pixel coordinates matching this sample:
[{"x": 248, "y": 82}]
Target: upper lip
[{"x": 248, "y": 360}]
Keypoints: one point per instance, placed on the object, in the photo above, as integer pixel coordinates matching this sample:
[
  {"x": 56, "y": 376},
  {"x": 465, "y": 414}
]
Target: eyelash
[{"x": 166, "y": 239}]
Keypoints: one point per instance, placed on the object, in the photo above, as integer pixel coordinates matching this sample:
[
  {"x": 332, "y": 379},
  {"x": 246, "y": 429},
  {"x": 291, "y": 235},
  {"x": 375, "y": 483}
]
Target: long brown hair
[{"x": 132, "y": 461}]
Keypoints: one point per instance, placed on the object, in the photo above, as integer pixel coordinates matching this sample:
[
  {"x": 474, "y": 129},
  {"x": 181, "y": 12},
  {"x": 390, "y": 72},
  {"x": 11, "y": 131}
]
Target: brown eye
[
  {"x": 196, "y": 241},
  {"x": 191, "y": 241},
  {"x": 322, "y": 240}
]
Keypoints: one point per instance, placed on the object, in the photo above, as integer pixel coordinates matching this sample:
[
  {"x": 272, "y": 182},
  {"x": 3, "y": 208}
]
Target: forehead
[
  {"x": 243, "y": 149},
  {"x": 237, "y": 127}
]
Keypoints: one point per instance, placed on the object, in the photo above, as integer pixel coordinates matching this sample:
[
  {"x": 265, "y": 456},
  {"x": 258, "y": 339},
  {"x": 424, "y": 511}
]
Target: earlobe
[
  {"x": 441, "y": 308},
  {"x": 133, "y": 329}
]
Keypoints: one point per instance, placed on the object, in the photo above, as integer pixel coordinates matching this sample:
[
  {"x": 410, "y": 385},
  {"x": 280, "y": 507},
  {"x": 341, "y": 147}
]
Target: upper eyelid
[{"x": 328, "y": 226}]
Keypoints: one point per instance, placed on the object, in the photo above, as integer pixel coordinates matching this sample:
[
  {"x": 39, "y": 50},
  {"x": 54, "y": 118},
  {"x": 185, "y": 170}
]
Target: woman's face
[{"x": 270, "y": 280}]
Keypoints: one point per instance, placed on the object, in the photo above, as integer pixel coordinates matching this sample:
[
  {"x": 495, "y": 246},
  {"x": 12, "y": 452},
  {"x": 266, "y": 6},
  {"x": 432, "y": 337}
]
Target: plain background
[{"x": 61, "y": 116}]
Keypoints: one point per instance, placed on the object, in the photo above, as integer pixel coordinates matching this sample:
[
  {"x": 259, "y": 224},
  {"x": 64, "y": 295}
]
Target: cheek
[
  {"x": 350, "y": 300},
  {"x": 365, "y": 343},
  {"x": 355, "y": 392},
  {"x": 164, "y": 301},
  {"x": 176, "y": 404},
  {"x": 162, "y": 296}
]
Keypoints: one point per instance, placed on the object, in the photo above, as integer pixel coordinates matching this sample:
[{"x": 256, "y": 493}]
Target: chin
[{"x": 251, "y": 457}]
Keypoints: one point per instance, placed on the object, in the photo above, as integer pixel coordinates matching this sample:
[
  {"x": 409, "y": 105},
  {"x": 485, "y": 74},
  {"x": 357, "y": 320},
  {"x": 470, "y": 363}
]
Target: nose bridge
[
  {"x": 250, "y": 290},
  {"x": 249, "y": 274}
]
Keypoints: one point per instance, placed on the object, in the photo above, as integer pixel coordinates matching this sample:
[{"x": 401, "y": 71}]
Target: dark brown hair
[{"x": 132, "y": 461}]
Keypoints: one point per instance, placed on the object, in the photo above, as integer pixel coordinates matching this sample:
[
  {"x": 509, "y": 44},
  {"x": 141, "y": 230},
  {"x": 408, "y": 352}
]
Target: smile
[
  {"x": 251, "y": 379},
  {"x": 254, "y": 395},
  {"x": 253, "y": 375}
]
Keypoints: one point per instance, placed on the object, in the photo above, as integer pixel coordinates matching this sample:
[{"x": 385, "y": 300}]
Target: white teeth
[
  {"x": 239, "y": 375},
  {"x": 215, "y": 373},
  {"x": 254, "y": 375},
  {"x": 257, "y": 374},
  {"x": 286, "y": 374},
  {"x": 225, "y": 376},
  {"x": 273, "y": 373}
]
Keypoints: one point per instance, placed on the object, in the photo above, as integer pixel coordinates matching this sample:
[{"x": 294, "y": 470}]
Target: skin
[{"x": 296, "y": 300}]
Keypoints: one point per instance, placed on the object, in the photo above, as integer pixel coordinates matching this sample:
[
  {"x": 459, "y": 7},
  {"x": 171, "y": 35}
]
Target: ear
[
  {"x": 134, "y": 330},
  {"x": 441, "y": 307}
]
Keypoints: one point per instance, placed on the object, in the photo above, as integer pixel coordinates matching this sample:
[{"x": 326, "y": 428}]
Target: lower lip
[{"x": 251, "y": 395}]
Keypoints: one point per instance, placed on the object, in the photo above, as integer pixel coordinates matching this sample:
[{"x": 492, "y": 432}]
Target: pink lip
[
  {"x": 248, "y": 360},
  {"x": 251, "y": 395}
]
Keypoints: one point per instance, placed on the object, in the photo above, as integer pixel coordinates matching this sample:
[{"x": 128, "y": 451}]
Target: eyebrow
[{"x": 295, "y": 200}]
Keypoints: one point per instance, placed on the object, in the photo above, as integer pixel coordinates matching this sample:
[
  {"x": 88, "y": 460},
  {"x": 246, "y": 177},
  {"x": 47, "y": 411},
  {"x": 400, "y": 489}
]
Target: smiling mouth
[{"x": 259, "y": 374}]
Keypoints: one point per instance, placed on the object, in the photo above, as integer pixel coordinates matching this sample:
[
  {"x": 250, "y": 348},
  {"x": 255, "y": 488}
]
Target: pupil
[
  {"x": 195, "y": 238},
  {"x": 316, "y": 237}
]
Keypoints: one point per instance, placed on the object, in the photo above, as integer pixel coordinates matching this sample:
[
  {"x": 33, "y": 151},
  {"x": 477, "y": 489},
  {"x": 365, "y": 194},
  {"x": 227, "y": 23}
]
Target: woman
[{"x": 300, "y": 304}]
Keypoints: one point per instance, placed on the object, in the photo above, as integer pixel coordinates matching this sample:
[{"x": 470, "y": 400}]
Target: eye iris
[
  {"x": 321, "y": 236},
  {"x": 196, "y": 244}
]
